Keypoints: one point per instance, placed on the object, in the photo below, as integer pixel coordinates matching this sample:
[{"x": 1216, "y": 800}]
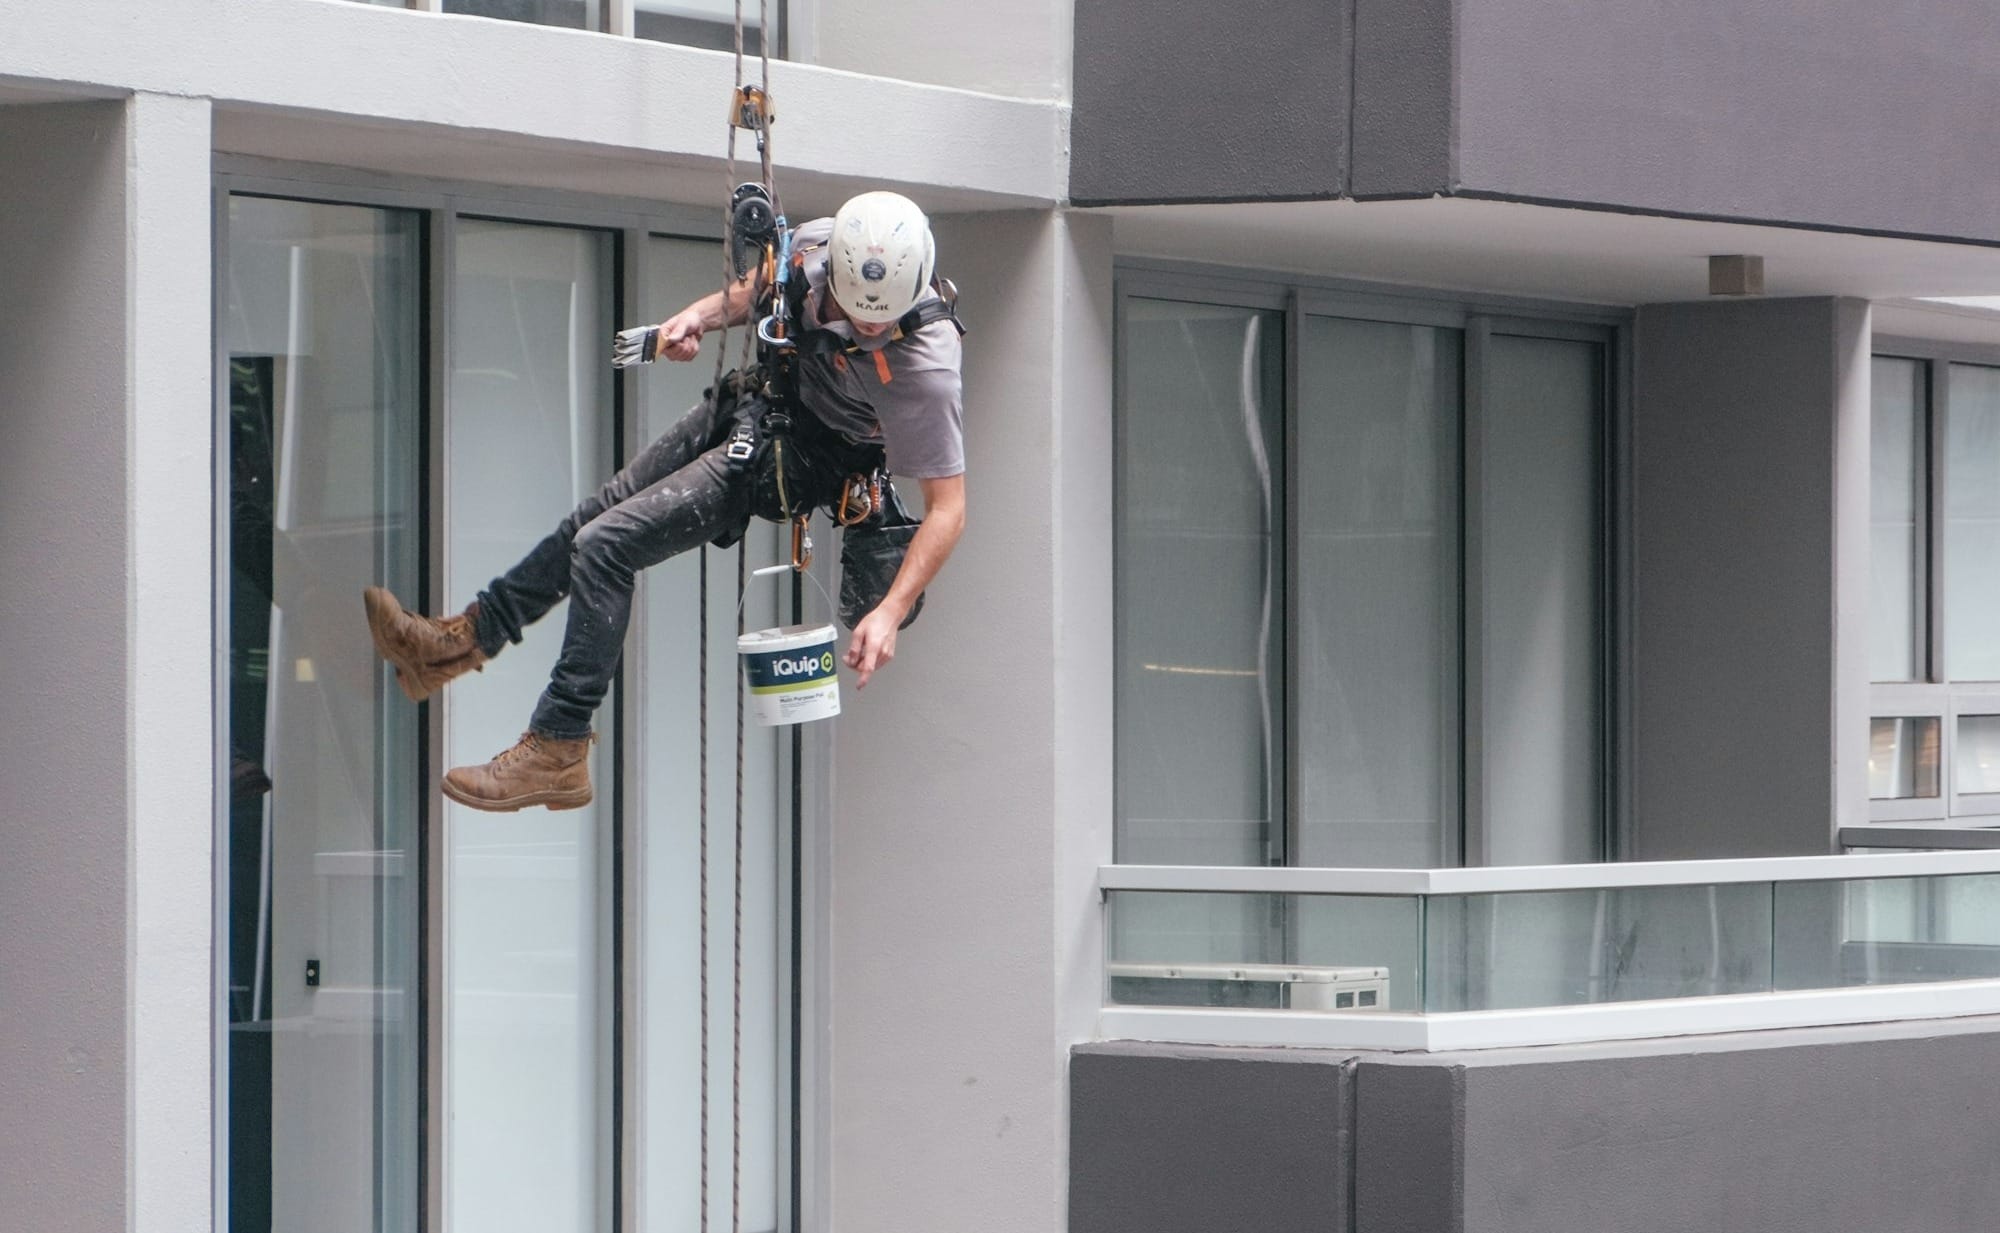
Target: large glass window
[
  {"x": 1972, "y": 525},
  {"x": 1934, "y": 570},
  {"x": 570, "y": 14},
  {"x": 1899, "y": 461},
  {"x": 1540, "y": 571},
  {"x": 1378, "y": 608},
  {"x": 321, "y": 328},
  {"x": 1356, "y": 627},
  {"x": 1200, "y": 501},
  {"x": 528, "y": 1059},
  {"x": 669, "y": 812}
]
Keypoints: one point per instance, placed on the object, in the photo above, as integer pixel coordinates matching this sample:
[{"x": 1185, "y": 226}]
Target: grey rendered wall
[
  {"x": 63, "y": 1062},
  {"x": 970, "y": 776},
  {"x": 1845, "y": 114},
  {"x": 1187, "y": 1139},
  {"x": 1832, "y": 1130},
  {"x": 1745, "y": 419}
]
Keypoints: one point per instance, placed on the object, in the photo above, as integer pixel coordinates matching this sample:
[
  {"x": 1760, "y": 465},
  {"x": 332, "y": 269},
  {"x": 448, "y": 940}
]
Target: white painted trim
[
  {"x": 169, "y": 518},
  {"x": 1518, "y": 878},
  {"x": 1497, "y": 1029}
]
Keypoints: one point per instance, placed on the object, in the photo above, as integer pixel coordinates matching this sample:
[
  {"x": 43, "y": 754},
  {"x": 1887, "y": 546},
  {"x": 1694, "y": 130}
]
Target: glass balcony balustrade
[{"x": 1457, "y": 942}]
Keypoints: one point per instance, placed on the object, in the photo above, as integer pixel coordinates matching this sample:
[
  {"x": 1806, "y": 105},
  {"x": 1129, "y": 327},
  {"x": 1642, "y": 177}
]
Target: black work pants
[{"x": 680, "y": 492}]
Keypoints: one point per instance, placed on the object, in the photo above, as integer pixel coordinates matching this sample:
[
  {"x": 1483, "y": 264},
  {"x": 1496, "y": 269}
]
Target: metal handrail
[{"x": 1505, "y": 879}]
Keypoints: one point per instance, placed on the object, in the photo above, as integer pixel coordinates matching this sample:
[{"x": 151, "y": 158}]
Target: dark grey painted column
[
  {"x": 63, "y": 421},
  {"x": 1741, "y": 415},
  {"x": 1187, "y": 1139}
]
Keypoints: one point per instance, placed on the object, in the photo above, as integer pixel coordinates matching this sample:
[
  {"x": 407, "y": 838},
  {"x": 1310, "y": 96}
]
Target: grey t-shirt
[{"x": 905, "y": 393}]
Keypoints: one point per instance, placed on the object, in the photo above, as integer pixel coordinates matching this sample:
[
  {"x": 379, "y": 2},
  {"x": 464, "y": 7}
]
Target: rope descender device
[{"x": 750, "y": 108}]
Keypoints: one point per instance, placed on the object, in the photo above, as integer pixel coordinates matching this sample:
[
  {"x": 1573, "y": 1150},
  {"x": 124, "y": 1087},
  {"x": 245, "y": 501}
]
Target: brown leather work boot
[
  {"x": 538, "y": 770},
  {"x": 426, "y": 651}
]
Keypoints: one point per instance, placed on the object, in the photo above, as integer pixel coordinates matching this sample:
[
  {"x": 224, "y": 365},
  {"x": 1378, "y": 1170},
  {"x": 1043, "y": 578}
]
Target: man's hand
[
  {"x": 874, "y": 642},
  {"x": 680, "y": 336}
]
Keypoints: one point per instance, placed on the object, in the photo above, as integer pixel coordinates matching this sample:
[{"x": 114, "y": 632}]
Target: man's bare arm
[
  {"x": 874, "y": 642},
  {"x": 679, "y": 336}
]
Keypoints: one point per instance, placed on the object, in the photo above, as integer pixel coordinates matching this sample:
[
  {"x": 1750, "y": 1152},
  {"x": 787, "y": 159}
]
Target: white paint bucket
[{"x": 790, "y": 673}]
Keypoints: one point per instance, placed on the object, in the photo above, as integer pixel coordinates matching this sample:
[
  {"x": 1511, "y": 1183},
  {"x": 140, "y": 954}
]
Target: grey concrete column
[
  {"x": 971, "y": 780},
  {"x": 1749, "y": 560},
  {"x": 64, "y": 668}
]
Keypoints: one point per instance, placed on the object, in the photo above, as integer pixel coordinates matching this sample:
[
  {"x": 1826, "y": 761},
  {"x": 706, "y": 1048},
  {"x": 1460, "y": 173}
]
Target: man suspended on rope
[{"x": 870, "y": 387}]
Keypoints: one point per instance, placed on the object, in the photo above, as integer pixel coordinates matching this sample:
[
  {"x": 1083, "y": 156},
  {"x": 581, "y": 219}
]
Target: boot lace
[{"x": 529, "y": 743}]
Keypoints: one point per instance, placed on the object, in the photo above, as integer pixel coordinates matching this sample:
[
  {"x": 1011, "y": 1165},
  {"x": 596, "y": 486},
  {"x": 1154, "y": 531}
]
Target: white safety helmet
[{"x": 880, "y": 259}]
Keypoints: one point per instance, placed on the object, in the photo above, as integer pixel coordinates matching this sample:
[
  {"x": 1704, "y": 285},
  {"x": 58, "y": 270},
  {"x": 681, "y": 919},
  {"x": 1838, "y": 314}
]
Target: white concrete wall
[
  {"x": 963, "y": 920},
  {"x": 1019, "y": 48},
  {"x": 105, "y": 429},
  {"x": 443, "y": 95},
  {"x": 170, "y": 419},
  {"x": 63, "y": 1066}
]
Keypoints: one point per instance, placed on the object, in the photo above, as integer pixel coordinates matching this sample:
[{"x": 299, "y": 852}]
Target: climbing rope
[{"x": 750, "y": 107}]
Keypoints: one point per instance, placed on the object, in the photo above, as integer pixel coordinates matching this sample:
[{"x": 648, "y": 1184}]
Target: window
[
  {"x": 1934, "y": 646},
  {"x": 529, "y": 431},
  {"x": 1361, "y": 581},
  {"x": 321, "y": 320},
  {"x": 690, "y": 23},
  {"x": 440, "y": 1018}
]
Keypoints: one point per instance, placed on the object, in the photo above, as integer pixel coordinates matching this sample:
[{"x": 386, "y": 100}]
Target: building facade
[{"x": 1477, "y": 509}]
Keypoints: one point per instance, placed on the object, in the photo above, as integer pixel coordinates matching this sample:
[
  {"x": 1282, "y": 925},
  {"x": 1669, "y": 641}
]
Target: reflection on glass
[
  {"x": 322, "y": 314},
  {"x": 1972, "y": 525},
  {"x": 1898, "y": 595},
  {"x": 1562, "y": 948},
  {"x": 1977, "y": 756},
  {"x": 1378, "y": 593},
  {"x": 1540, "y": 583},
  {"x": 570, "y": 14},
  {"x": 1889, "y": 931},
  {"x": 1198, "y": 583},
  {"x": 527, "y": 895},
  {"x": 704, "y": 23},
  {"x": 678, "y": 272},
  {"x": 1345, "y": 952},
  {"x": 1902, "y": 757}
]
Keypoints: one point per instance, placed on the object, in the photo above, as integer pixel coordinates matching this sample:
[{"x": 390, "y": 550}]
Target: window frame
[
  {"x": 804, "y": 901},
  {"x": 1478, "y": 317},
  {"x": 1936, "y": 695}
]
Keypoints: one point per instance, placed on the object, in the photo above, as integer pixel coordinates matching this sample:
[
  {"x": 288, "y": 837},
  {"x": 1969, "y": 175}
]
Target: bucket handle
[{"x": 785, "y": 569}]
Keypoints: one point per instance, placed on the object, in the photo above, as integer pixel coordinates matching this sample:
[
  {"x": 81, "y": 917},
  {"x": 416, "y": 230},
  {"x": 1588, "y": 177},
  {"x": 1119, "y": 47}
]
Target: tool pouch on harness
[{"x": 871, "y": 554}]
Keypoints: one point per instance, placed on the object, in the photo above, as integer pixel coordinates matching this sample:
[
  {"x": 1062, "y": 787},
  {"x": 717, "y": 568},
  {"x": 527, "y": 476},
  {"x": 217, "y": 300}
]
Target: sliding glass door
[{"x": 321, "y": 314}]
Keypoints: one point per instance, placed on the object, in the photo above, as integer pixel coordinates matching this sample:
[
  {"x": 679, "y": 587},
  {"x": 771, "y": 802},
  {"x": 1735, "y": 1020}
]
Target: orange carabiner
[{"x": 802, "y": 545}]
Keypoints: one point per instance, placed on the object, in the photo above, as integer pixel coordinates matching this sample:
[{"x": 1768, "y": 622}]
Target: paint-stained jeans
[{"x": 679, "y": 493}]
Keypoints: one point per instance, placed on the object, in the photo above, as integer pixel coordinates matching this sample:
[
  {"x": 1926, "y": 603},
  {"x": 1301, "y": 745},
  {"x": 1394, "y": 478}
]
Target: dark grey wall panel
[
  {"x": 1405, "y": 84},
  {"x": 1190, "y": 100},
  {"x": 1409, "y": 1166},
  {"x": 1836, "y": 113},
  {"x": 1855, "y": 1137},
  {"x": 1828, "y": 1130},
  {"x": 1734, "y": 574},
  {"x": 1183, "y": 1139},
  {"x": 63, "y": 695}
]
